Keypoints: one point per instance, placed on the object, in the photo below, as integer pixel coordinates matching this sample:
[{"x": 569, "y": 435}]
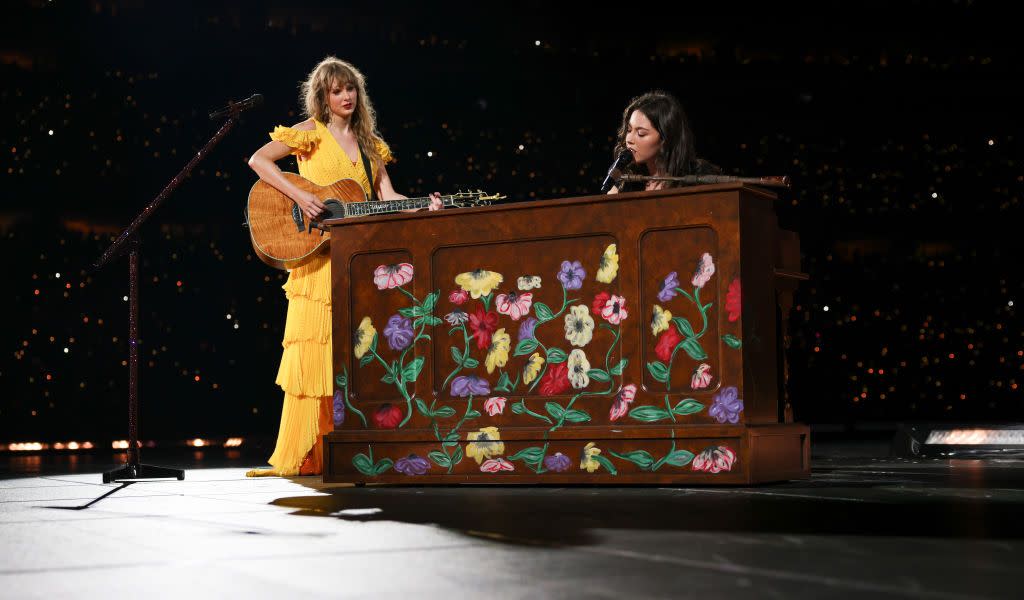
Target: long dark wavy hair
[{"x": 677, "y": 156}]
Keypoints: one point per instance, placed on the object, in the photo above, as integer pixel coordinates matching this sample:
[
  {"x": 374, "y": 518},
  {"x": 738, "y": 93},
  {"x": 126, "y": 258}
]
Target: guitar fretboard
[{"x": 359, "y": 209}]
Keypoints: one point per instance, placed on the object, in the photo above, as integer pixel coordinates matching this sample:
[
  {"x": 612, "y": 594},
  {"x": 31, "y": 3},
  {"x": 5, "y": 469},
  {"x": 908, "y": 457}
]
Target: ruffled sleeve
[
  {"x": 384, "y": 152},
  {"x": 301, "y": 142}
]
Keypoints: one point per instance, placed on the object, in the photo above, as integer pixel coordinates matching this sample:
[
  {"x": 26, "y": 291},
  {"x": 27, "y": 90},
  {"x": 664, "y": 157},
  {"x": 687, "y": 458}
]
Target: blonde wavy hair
[{"x": 314, "y": 95}]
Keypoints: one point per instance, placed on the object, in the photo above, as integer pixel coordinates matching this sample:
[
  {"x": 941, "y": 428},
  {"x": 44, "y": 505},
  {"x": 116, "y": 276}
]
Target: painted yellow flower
[
  {"x": 660, "y": 320},
  {"x": 484, "y": 444},
  {"x": 364, "y": 336},
  {"x": 587, "y": 460},
  {"x": 609, "y": 265},
  {"x": 532, "y": 368},
  {"x": 497, "y": 354},
  {"x": 479, "y": 282}
]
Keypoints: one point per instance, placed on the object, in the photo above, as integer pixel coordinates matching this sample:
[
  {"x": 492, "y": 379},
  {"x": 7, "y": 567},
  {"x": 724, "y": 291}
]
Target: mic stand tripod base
[{"x": 137, "y": 471}]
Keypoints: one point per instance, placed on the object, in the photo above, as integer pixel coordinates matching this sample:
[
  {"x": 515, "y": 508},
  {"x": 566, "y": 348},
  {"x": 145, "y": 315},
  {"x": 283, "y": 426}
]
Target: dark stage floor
[{"x": 863, "y": 524}]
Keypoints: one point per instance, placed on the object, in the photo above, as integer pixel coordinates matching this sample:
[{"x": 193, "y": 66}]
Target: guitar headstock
[{"x": 474, "y": 198}]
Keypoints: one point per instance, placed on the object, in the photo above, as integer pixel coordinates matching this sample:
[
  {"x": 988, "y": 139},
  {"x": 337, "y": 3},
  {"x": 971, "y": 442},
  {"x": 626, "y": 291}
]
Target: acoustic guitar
[{"x": 284, "y": 238}]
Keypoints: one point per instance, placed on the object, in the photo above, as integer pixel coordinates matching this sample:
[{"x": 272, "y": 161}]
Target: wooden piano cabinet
[{"x": 631, "y": 338}]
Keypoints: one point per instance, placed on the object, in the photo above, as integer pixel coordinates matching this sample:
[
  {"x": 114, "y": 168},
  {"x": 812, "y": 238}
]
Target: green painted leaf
[
  {"x": 519, "y": 408},
  {"x": 365, "y": 360},
  {"x": 556, "y": 355},
  {"x": 457, "y": 456},
  {"x": 687, "y": 406},
  {"x": 531, "y": 455},
  {"x": 503, "y": 383},
  {"x": 679, "y": 458},
  {"x": 576, "y": 416},
  {"x": 732, "y": 341},
  {"x": 619, "y": 368},
  {"x": 422, "y": 407},
  {"x": 640, "y": 458},
  {"x": 471, "y": 363},
  {"x": 373, "y": 343},
  {"x": 599, "y": 375},
  {"x": 525, "y": 346},
  {"x": 683, "y": 326},
  {"x": 456, "y": 355},
  {"x": 543, "y": 312},
  {"x": 382, "y": 466},
  {"x": 452, "y": 437},
  {"x": 554, "y": 409},
  {"x": 362, "y": 463},
  {"x": 430, "y": 320},
  {"x": 473, "y": 414},
  {"x": 607, "y": 464},
  {"x": 444, "y": 412},
  {"x": 649, "y": 414},
  {"x": 658, "y": 371},
  {"x": 388, "y": 378},
  {"x": 409, "y": 312},
  {"x": 430, "y": 301},
  {"x": 440, "y": 458},
  {"x": 694, "y": 349},
  {"x": 341, "y": 380},
  {"x": 412, "y": 370}
]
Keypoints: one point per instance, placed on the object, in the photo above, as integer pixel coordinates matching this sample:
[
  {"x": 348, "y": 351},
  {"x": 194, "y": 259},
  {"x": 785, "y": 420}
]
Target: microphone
[
  {"x": 622, "y": 161},
  {"x": 233, "y": 108}
]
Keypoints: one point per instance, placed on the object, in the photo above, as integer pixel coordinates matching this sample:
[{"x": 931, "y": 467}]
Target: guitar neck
[{"x": 383, "y": 207}]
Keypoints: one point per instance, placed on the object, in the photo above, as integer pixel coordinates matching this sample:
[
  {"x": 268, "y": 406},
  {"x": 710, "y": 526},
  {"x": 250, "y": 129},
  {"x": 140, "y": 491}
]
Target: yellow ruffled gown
[{"x": 306, "y": 365}]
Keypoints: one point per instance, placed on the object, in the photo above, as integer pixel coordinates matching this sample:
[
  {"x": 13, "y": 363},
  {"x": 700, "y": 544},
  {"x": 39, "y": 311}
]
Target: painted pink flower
[
  {"x": 458, "y": 297},
  {"x": 495, "y": 405},
  {"x": 494, "y": 465},
  {"x": 705, "y": 269},
  {"x": 391, "y": 276},
  {"x": 614, "y": 310},
  {"x": 714, "y": 459},
  {"x": 622, "y": 401},
  {"x": 732, "y": 301},
  {"x": 701, "y": 377},
  {"x": 515, "y": 305}
]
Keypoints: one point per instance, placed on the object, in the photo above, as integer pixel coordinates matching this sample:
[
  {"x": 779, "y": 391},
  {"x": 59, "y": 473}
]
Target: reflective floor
[{"x": 864, "y": 524}]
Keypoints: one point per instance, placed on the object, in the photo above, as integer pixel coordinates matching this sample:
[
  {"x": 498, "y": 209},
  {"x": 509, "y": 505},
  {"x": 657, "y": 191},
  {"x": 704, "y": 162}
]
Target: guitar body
[{"x": 281, "y": 235}]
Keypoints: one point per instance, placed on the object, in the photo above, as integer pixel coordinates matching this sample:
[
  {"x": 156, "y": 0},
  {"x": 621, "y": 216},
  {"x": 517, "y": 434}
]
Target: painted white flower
[
  {"x": 528, "y": 282},
  {"x": 578, "y": 367},
  {"x": 579, "y": 325}
]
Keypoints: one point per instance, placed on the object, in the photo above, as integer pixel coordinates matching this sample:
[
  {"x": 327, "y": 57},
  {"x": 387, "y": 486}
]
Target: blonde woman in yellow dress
[{"x": 328, "y": 146}]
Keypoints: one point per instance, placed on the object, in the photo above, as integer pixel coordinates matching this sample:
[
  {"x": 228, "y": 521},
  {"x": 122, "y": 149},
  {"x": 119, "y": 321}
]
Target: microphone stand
[{"x": 128, "y": 242}]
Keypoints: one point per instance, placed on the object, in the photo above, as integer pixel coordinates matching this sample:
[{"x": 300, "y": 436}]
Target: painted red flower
[
  {"x": 666, "y": 343},
  {"x": 388, "y": 416},
  {"x": 555, "y": 381},
  {"x": 599, "y": 301},
  {"x": 481, "y": 325},
  {"x": 458, "y": 297},
  {"x": 732, "y": 301}
]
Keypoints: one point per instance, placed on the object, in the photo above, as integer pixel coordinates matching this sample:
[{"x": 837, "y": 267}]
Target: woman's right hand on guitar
[{"x": 310, "y": 204}]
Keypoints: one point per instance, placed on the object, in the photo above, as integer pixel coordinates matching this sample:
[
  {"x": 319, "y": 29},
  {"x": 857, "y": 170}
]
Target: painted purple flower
[
  {"x": 527, "y": 327},
  {"x": 399, "y": 332},
  {"x": 457, "y": 317},
  {"x": 668, "y": 287},
  {"x": 572, "y": 275},
  {"x": 557, "y": 462},
  {"x": 467, "y": 385},
  {"x": 412, "y": 465},
  {"x": 339, "y": 408},
  {"x": 727, "y": 405}
]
